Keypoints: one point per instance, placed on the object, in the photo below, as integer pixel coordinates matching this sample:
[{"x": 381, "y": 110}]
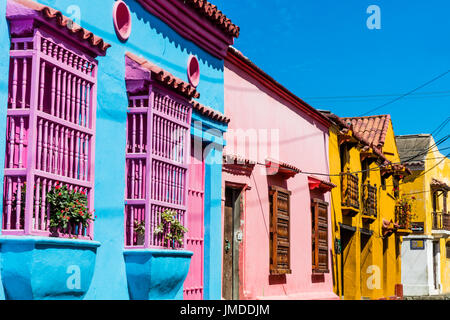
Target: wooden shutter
[
  {"x": 319, "y": 215},
  {"x": 280, "y": 260}
]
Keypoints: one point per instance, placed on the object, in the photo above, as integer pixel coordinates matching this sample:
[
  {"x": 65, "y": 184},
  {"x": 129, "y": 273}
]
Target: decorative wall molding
[{"x": 192, "y": 25}]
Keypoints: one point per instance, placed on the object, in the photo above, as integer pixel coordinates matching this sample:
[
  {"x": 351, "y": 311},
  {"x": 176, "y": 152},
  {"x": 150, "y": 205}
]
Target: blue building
[{"x": 83, "y": 80}]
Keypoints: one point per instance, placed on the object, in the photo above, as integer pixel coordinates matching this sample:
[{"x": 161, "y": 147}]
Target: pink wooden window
[
  {"x": 50, "y": 131},
  {"x": 193, "y": 285},
  {"x": 156, "y": 162}
]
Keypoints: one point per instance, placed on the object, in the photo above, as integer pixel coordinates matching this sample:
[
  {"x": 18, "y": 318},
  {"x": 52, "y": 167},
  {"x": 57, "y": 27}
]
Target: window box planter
[
  {"x": 156, "y": 274},
  {"x": 42, "y": 268}
]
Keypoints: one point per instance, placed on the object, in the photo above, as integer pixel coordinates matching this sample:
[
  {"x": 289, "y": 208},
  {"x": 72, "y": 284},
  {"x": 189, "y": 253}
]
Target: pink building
[{"x": 276, "y": 205}]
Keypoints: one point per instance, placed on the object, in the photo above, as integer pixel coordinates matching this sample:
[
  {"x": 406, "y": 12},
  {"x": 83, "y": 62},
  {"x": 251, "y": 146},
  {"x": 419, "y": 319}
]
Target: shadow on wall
[
  {"x": 277, "y": 279},
  {"x": 161, "y": 28}
]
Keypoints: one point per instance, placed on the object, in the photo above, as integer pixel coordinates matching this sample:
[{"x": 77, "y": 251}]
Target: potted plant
[
  {"x": 171, "y": 229},
  {"x": 139, "y": 230},
  {"x": 68, "y": 208}
]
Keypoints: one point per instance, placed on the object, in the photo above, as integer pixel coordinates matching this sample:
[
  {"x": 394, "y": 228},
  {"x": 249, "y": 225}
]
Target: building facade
[
  {"x": 114, "y": 116},
  {"x": 366, "y": 223},
  {"x": 426, "y": 252},
  {"x": 276, "y": 219}
]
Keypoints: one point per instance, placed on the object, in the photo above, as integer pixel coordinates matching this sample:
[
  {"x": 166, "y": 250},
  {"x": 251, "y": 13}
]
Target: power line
[
  {"x": 407, "y": 94},
  {"x": 442, "y": 126},
  {"x": 375, "y": 95},
  {"x": 373, "y": 169}
]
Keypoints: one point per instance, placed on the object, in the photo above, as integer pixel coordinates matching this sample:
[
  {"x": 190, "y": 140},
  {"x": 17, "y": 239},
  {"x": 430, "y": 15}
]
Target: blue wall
[
  {"x": 158, "y": 43},
  {"x": 4, "y": 69}
]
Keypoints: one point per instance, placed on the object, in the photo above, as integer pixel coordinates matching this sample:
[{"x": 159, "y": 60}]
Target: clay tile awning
[
  {"x": 319, "y": 184},
  {"x": 277, "y": 167},
  {"x": 54, "y": 16},
  {"x": 214, "y": 15},
  {"x": 210, "y": 112},
  {"x": 234, "y": 159},
  {"x": 439, "y": 185},
  {"x": 162, "y": 76}
]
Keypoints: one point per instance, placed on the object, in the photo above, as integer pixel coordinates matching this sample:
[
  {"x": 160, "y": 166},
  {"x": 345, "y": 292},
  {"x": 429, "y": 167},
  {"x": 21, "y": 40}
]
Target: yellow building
[
  {"x": 426, "y": 253},
  {"x": 364, "y": 164}
]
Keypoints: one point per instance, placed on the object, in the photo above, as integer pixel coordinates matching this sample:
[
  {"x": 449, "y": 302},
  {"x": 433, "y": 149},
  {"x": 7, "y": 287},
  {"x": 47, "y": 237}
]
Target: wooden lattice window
[
  {"x": 369, "y": 200},
  {"x": 156, "y": 162},
  {"x": 319, "y": 217},
  {"x": 280, "y": 259},
  {"x": 50, "y": 128},
  {"x": 350, "y": 190},
  {"x": 447, "y": 247}
]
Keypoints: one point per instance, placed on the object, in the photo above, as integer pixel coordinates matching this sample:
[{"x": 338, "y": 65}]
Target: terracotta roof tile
[
  {"x": 317, "y": 183},
  {"x": 283, "y": 168},
  {"x": 164, "y": 77},
  {"x": 372, "y": 129},
  {"x": 232, "y": 159},
  {"x": 368, "y": 131},
  {"x": 210, "y": 112},
  {"x": 213, "y": 14},
  {"x": 58, "y": 18},
  {"x": 437, "y": 184}
]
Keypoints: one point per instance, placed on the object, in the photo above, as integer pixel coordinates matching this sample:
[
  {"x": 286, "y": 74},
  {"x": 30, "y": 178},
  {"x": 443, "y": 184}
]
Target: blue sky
[{"x": 323, "y": 49}]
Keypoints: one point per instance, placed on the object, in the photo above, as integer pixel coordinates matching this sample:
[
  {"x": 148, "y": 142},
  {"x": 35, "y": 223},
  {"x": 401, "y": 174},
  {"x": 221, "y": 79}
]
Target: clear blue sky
[{"x": 323, "y": 48}]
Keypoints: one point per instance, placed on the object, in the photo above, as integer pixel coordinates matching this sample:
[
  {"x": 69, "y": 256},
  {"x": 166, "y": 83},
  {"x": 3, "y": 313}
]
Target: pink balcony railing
[
  {"x": 161, "y": 185},
  {"x": 50, "y": 131}
]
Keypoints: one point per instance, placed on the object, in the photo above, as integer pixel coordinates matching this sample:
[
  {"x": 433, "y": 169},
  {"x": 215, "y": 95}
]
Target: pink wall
[{"x": 303, "y": 144}]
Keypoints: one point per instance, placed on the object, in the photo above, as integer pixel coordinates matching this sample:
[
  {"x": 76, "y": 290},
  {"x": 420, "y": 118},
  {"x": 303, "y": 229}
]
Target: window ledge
[
  {"x": 148, "y": 269},
  {"x": 35, "y": 268},
  {"x": 349, "y": 211},
  {"x": 369, "y": 219}
]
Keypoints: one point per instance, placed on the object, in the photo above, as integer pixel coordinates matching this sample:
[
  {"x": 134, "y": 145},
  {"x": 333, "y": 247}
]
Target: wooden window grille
[
  {"x": 158, "y": 142},
  {"x": 350, "y": 190},
  {"x": 50, "y": 130},
  {"x": 319, "y": 216},
  {"x": 280, "y": 259},
  {"x": 447, "y": 247},
  {"x": 369, "y": 200}
]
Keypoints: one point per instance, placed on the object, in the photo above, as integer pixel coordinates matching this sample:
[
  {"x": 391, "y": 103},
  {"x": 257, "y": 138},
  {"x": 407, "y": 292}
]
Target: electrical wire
[{"x": 407, "y": 94}]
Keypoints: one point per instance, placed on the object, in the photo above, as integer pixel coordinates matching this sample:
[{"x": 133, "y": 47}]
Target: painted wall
[
  {"x": 4, "y": 69},
  {"x": 369, "y": 266},
  {"x": 417, "y": 267},
  {"x": 437, "y": 166},
  {"x": 159, "y": 44},
  {"x": 303, "y": 144}
]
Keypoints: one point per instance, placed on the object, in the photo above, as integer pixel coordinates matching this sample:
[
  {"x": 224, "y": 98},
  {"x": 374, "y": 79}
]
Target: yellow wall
[
  {"x": 370, "y": 262},
  {"x": 418, "y": 184}
]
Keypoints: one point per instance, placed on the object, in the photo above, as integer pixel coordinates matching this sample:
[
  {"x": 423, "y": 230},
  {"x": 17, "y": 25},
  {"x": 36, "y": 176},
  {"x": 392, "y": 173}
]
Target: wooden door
[
  {"x": 193, "y": 285},
  {"x": 436, "y": 264},
  {"x": 230, "y": 276}
]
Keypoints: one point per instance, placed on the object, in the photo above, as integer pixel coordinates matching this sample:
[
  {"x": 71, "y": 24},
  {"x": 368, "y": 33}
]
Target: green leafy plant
[
  {"x": 68, "y": 207},
  {"x": 139, "y": 227},
  {"x": 171, "y": 228}
]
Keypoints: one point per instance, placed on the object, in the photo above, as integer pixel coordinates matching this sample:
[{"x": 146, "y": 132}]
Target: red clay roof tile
[
  {"x": 63, "y": 21},
  {"x": 209, "y": 112},
  {"x": 372, "y": 129},
  {"x": 164, "y": 77},
  {"x": 213, "y": 14}
]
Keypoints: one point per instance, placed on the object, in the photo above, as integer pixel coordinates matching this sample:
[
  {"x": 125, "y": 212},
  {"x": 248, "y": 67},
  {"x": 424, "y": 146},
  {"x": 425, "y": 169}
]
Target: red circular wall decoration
[
  {"x": 193, "y": 71},
  {"x": 122, "y": 20}
]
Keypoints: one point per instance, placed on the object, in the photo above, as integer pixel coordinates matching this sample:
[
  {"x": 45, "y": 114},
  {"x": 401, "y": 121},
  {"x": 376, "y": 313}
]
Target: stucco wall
[
  {"x": 159, "y": 44},
  {"x": 303, "y": 144},
  {"x": 369, "y": 271}
]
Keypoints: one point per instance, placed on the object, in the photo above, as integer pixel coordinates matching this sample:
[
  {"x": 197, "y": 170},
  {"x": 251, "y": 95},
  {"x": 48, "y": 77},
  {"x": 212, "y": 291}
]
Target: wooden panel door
[
  {"x": 193, "y": 285},
  {"x": 230, "y": 276}
]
